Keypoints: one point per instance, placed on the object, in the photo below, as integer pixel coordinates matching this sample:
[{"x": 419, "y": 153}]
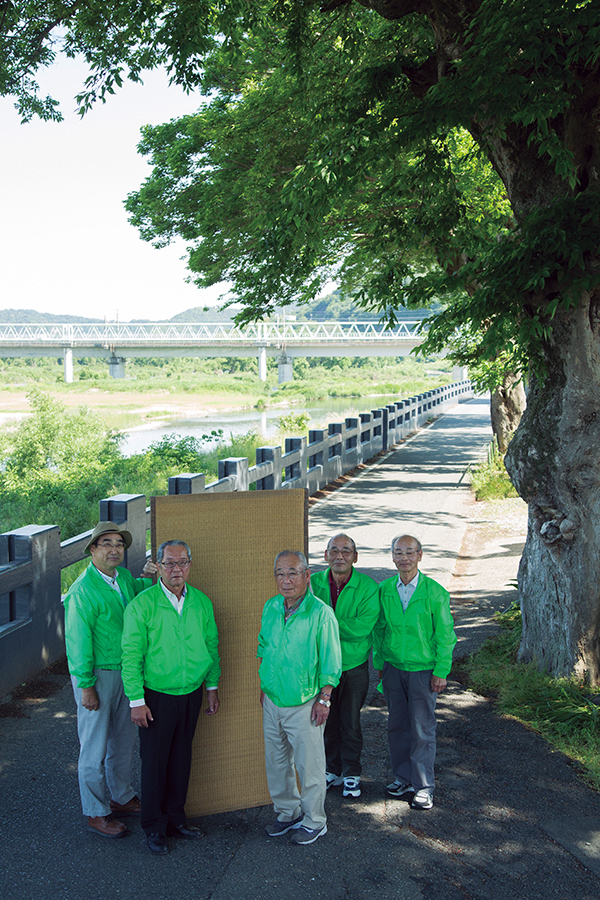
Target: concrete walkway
[{"x": 512, "y": 818}]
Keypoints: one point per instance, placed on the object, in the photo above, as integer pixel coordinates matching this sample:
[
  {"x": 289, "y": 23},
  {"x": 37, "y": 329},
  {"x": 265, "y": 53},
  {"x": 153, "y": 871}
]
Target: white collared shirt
[
  {"x": 173, "y": 598},
  {"x": 111, "y": 580},
  {"x": 405, "y": 591},
  {"x": 178, "y": 607}
]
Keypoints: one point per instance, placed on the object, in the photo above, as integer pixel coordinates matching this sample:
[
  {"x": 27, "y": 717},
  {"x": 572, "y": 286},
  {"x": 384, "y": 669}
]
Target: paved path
[
  {"x": 512, "y": 820},
  {"x": 418, "y": 488}
]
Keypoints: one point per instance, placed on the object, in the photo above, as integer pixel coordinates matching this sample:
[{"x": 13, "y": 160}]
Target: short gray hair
[
  {"x": 342, "y": 534},
  {"x": 161, "y": 550},
  {"x": 410, "y": 537},
  {"x": 297, "y": 553}
]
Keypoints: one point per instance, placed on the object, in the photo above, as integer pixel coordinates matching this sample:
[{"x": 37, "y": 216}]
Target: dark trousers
[
  {"x": 343, "y": 735},
  {"x": 411, "y": 725},
  {"x": 166, "y": 754}
]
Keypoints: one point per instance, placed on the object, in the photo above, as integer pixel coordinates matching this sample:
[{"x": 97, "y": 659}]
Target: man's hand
[
  {"x": 150, "y": 569},
  {"x": 438, "y": 684},
  {"x": 141, "y": 715},
  {"x": 213, "y": 702},
  {"x": 89, "y": 698},
  {"x": 319, "y": 713}
]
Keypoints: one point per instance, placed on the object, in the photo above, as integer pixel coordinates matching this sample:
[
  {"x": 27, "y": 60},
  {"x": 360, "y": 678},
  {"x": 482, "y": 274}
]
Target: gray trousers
[
  {"x": 107, "y": 741},
  {"x": 411, "y": 725},
  {"x": 293, "y": 742}
]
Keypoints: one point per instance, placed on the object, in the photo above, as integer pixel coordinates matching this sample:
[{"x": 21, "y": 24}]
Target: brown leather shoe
[
  {"x": 133, "y": 807},
  {"x": 107, "y": 826}
]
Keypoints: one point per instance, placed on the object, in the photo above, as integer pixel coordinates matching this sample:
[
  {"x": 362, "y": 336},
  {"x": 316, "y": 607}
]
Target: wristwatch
[{"x": 325, "y": 702}]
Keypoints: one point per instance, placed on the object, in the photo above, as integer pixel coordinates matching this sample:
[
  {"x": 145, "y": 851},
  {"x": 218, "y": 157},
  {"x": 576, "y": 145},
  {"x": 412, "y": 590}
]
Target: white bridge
[{"x": 116, "y": 342}]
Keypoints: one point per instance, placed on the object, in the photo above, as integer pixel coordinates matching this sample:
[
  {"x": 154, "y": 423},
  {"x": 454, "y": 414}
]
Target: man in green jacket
[
  {"x": 300, "y": 664},
  {"x": 170, "y": 648},
  {"x": 413, "y": 643},
  {"x": 354, "y": 598},
  {"x": 94, "y": 607}
]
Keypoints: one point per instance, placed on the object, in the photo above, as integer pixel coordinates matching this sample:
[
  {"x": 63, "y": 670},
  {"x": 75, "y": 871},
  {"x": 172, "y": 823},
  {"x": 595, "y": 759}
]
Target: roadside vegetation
[
  {"x": 58, "y": 463},
  {"x": 564, "y": 711},
  {"x": 489, "y": 479}
]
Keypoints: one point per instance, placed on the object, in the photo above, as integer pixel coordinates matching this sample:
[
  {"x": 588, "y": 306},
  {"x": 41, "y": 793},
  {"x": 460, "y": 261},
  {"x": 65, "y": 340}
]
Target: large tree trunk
[
  {"x": 507, "y": 406},
  {"x": 554, "y": 461}
]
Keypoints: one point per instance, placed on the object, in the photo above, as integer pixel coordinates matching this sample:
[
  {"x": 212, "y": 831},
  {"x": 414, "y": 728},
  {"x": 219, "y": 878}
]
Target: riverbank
[{"x": 195, "y": 389}]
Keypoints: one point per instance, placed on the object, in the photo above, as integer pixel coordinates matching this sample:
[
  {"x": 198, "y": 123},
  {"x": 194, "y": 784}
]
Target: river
[{"x": 241, "y": 421}]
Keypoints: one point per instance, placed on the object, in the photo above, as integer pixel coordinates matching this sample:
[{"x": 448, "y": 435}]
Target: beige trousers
[{"x": 294, "y": 743}]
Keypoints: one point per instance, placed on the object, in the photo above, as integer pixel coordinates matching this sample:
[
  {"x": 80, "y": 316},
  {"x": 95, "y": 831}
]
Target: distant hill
[
  {"x": 330, "y": 308},
  {"x": 33, "y": 317},
  {"x": 337, "y": 308},
  {"x": 206, "y": 314}
]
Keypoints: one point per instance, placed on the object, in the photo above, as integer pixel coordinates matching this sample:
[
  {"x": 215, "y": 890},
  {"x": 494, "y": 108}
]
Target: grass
[
  {"x": 490, "y": 480},
  {"x": 561, "y": 710}
]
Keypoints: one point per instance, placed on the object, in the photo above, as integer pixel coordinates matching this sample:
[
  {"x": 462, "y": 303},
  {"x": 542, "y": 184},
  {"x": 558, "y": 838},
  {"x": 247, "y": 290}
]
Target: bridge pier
[
  {"x": 286, "y": 369},
  {"x": 116, "y": 367},
  {"x": 262, "y": 363},
  {"x": 68, "y": 365}
]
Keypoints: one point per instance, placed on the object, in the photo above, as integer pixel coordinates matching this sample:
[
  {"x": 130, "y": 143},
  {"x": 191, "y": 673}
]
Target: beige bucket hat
[{"x": 107, "y": 528}]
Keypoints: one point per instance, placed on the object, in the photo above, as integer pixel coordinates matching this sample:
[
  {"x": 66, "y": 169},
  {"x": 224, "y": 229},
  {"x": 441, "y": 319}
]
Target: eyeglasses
[
  {"x": 291, "y": 574},
  {"x": 335, "y": 551},
  {"x": 409, "y": 554},
  {"x": 176, "y": 565},
  {"x": 112, "y": 544}
]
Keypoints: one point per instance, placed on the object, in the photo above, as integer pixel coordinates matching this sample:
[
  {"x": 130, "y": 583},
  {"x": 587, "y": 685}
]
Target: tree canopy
[{"x": 288, "y": 179}]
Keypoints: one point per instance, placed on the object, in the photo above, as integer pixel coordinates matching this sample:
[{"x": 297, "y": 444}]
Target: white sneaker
[
  {"x": 333, "y": 780},
  {"x": 422, "y": 799},
  {"x": 399, "y": 788},
  {"x": 351, "y": 786}
]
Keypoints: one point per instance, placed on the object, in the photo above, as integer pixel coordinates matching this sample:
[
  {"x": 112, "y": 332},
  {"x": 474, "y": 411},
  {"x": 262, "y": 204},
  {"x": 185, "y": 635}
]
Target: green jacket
[
  {"x": 356, "y": 612},
  {"x": 420, "y": 638},
  {"x": 168, "y": 652},
  {"x": 299, "y": 656},
  {"x": 94, "y": 622}
]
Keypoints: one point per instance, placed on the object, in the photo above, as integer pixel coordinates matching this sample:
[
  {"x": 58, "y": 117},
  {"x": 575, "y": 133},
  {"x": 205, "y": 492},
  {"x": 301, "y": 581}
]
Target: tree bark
[
  {"x": 507, "y": 405},
  {"x": 554, "y": 462}
]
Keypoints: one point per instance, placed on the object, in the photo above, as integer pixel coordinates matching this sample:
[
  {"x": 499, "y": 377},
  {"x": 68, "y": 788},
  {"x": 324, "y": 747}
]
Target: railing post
[
  {"x": 317, "y": 438},
  {"x": 187, "y": 483},
  {"x": 269, "y": 482},
  {"x": 385, "y": 417},
  {"x": 238, "y": 467},
  {"x": 31, "y": 624},
  {"x": 129, "y": 510},
  {"x": 300, "y": 468},
  {"x": 366, "y": 435},
  {"x": 351, "y": 447}
]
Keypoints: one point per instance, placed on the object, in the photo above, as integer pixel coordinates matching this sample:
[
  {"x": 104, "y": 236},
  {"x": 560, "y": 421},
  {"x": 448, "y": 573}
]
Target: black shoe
[
  {"x": 185, "y": 831},
  {"x": 157, "y": 842}
]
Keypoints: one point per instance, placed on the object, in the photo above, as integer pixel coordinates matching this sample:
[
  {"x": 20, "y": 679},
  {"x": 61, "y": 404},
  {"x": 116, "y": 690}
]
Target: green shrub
[{"x": 490, "y": 480}]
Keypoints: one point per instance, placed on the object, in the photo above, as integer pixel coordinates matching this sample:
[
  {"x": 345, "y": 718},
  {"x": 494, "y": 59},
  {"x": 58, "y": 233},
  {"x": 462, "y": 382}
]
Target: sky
[{"x": 65, "y": 243}]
